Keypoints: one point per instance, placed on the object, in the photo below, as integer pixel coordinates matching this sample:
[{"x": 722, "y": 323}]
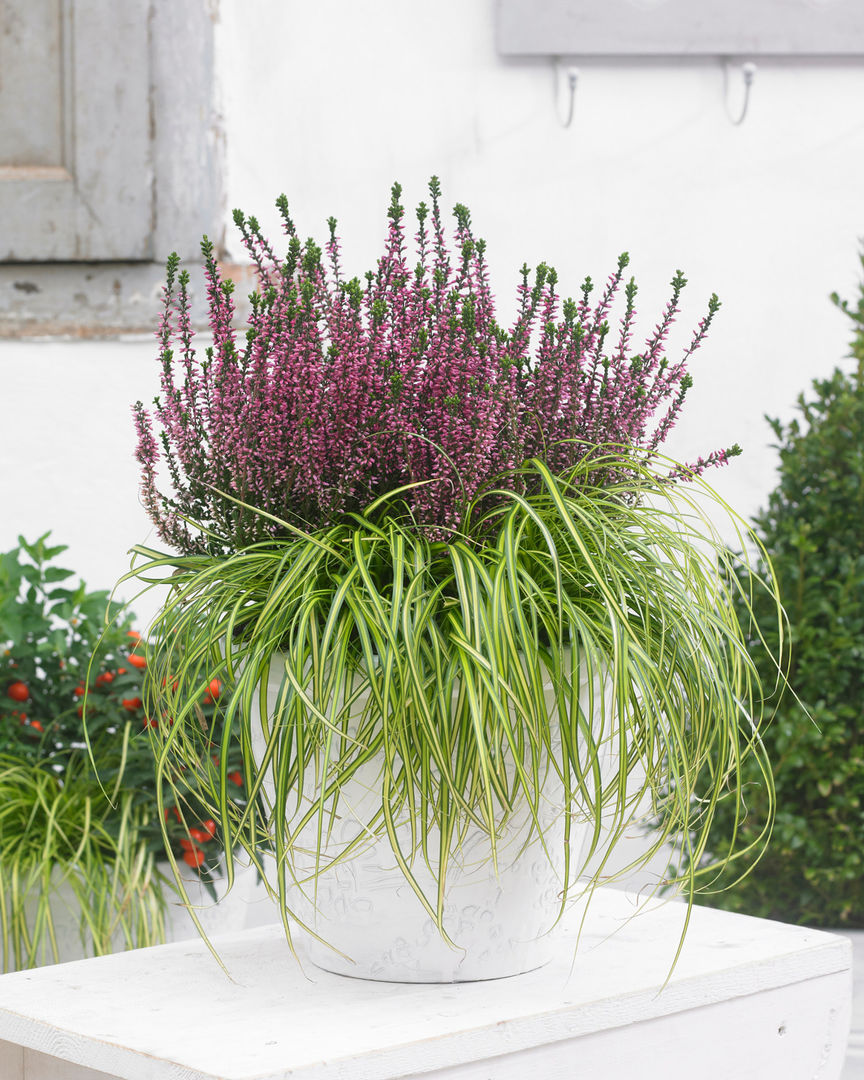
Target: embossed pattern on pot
[{"x": 370, "y": 917}]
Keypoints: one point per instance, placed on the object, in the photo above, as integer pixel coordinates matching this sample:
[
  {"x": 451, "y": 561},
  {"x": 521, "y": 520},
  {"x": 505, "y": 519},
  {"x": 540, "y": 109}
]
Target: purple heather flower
[{"x": 343, "y": 390}]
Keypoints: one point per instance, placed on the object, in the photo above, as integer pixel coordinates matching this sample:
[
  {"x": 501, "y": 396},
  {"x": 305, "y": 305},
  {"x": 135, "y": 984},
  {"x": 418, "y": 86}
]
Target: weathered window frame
[{"x": 82, "y": 245}]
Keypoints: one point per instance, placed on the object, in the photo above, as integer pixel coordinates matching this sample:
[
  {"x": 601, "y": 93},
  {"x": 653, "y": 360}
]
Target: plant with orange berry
[
  {"x": 61, "y": 662},
  {"x": 54, "y": 649}
]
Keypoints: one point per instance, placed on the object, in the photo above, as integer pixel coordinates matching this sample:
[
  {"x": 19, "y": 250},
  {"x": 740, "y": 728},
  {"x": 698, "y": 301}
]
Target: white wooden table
[{"x": 749, "y": 999}]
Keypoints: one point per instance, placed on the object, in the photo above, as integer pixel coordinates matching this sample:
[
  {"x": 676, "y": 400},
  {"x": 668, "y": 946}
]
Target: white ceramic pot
[
  {"x": 71, "y": 937},
  {"x": 231, "y": 912},
  {"x": 245, "y": 906},
  {"x": 377, "y": 928}
]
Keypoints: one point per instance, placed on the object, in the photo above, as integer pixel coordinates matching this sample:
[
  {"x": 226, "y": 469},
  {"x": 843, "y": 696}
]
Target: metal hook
[
  {"x": 566, "y": 78},
  {"x": 748, "y": 71}
]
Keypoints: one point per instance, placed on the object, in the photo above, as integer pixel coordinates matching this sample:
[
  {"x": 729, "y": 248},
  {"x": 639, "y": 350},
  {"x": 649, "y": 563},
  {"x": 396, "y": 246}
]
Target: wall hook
[
  {"x": 566, "y": 78},
  {"x": 748, "y": 73}
]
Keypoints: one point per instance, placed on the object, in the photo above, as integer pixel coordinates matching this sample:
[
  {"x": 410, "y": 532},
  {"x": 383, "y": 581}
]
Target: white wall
[
  {"x": 66, "y": 442},
  {"x": 331, "y": 101}
]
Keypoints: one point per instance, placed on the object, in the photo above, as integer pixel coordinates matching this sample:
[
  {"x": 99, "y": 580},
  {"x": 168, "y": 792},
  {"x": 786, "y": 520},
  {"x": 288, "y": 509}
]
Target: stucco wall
[{"x": 332, "y": 101}]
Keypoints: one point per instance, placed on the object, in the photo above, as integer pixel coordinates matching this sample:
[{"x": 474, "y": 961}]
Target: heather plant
[
  {"x": 342, "y": 391},
  {"x": 415, "y": 521}
]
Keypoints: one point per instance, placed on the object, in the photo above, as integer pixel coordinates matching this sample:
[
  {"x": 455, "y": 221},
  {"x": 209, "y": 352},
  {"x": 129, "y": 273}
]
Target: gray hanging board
[{"x": 680, "y": 27}]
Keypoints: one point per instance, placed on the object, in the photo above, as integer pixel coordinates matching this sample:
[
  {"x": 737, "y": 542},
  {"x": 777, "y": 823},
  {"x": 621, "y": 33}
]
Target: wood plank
[
  {"x": 793, "y": 1031},
  {"x": 11, "y": 1061},
  {"x": 128, "y": 1014},
  {"x": 42, "y": 1067},
  {"x": 750, "y": 28}
]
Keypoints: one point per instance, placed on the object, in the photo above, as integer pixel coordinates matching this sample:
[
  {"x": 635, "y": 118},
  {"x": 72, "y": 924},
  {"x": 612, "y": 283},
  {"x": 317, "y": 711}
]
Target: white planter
[
  {"x": 501, "y": 924},
  {"x": 70, "y": 941},
  {"x": 245, "y": 906},
  {"x": 231, "y": 912}
]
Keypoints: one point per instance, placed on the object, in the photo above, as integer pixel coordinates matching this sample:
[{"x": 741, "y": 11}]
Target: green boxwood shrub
[{"x": 813, "y": 530}]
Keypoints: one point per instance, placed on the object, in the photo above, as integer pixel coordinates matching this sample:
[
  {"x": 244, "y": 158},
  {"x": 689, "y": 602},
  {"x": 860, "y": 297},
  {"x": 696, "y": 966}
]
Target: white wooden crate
[{"x": 749, "y": 999}]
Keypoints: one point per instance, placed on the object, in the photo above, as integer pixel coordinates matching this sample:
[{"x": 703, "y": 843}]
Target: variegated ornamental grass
[
  {"x": 447, "y": 647},
  {"x": 67, "y": 856}
]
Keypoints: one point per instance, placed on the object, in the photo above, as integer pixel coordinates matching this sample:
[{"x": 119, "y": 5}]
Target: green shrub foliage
[{"x": 813, "y": 530}]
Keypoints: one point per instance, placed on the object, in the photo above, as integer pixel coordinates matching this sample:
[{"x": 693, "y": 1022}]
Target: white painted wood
[
  {"x": 187, "y": 136},
  {"x": 31, "y": 122},
  {"x": 91, "y": 197},
  {"x": 11, "y": 1061},
  {"x": 773, "y": 1036},
  {"x": 43, "y": 1067},
  {"x": 110, "y": 146},
  {"x": 853, "y": 1068},
  {"x": 170, "y": 1014},
  {"x": 681, "y": 27}
]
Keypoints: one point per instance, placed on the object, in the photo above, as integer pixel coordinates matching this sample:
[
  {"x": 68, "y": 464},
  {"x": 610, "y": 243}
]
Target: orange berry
[
  {"x": 194, "y": 858},
  {"x": 131, "y": 703},
  {"x": 137, "y": 661},
  {"x": 18, "y": 691},
  {"x": 35, "y": 724}
]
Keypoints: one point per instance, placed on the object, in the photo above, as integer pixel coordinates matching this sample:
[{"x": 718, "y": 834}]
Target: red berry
[
  {"x": 187, "y": 844},
  {"x": 199, "y": 836},
  {"x": 236, "y": 777},
  {"x": 132, "y": 703},
  {"x": 35, "y": 724},
  {"x": 121, "y": 670},
  {"x": 209, "y": 827},
  {"x": 137, "y": 661},
  {"x": 18, "y": 691},
  {"x": 194, "y": 858},
  {"x": 215, "y": 688},
  {"x": 79, "y": 690},
  {"x": 134, "y": 635},
  {"x": 105, "y": 678}
]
